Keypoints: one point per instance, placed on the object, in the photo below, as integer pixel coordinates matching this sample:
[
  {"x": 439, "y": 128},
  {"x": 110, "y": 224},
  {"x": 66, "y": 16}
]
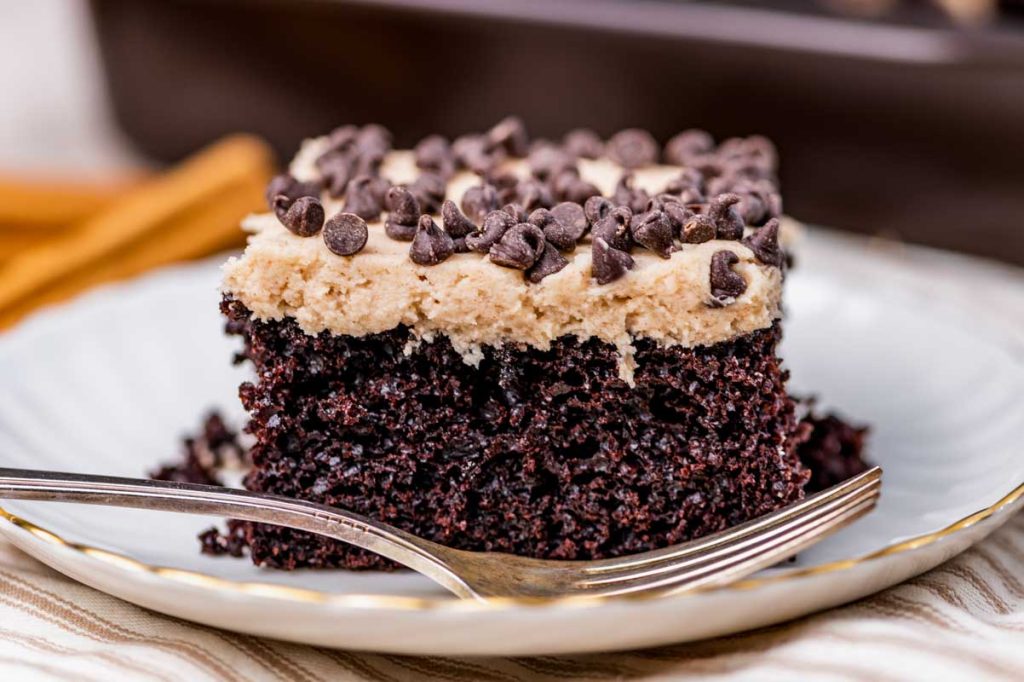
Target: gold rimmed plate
[{"x": 899, "y": 339}]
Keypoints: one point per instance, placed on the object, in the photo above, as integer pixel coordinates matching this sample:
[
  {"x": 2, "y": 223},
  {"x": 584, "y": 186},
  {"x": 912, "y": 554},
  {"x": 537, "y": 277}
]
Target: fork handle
[{"x": 420, "y": 555}]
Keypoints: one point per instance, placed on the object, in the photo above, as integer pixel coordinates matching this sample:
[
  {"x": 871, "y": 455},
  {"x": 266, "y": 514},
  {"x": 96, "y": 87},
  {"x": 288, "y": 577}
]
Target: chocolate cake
[{"x": 558, "y": 350}]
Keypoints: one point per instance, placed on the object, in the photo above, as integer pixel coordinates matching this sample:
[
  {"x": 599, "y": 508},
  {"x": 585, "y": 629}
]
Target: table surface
[{"x": 964, "y": 620}]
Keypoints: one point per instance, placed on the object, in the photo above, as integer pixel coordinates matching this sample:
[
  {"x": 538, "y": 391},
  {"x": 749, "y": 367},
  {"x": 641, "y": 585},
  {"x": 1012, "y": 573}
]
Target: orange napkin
[{"x": 92, "y": 235}]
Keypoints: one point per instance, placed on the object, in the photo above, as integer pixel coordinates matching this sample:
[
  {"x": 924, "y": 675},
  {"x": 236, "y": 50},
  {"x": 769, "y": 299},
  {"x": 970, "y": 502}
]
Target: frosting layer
[{"x": 475, "y": 302}]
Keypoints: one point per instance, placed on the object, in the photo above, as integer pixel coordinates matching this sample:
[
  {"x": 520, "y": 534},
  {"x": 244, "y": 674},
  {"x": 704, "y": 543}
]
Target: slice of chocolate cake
[{"x": 564, "y": 351}]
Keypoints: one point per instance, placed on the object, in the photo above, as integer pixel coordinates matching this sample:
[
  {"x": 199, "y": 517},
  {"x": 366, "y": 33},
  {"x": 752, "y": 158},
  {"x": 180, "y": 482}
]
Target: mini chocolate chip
[
  {"x": 608, "y": 264},
  {"x": 764, "y": 242},
  {"x": 429, "y": 189},
  {"x": 728, "y": 223},
  {"x": 726, "y": 285},
  {"x": 597, "y": 207},
  {"x": 290, "y": 187},
  {"x": 494, "y": 226},
  {"x": 403, "y": 207},
  {"x": 364, "y": 197},
  {"x": 345, "y": 234},
  {"x": 756, "y": 150},
  {"x": 627, "y": 195},
  {"x": 337, "y": 168},
  {"x": 434, "y": 153},
  {"x": 478, "y": 201},
  {"x": 682, "y": 148},
  {"x": 614, "y": 229},
  {"x": 516, "y": 211},
  {"x": 532, "y": 194},
  {"x": 303, "y": 216},
  {"x": 698, "y": 229},
  {"x": 547, "y": 160},
  {"x": 558, "y": 235},
  {"x": 632, "y": 148},
  {"x": 572, "y": 220},
  {"x": 373, "y": 140},
  {"x": 549, "y": 263},
  {"x": 751, "y": 207},
  {"x": 510, "y": 135},
  {"x": 342, "y": 139},
  {"x": 583, "y": 143},
  {"x": 519, "y": 247},
  {"x": 579, "y": 191},
  {"x": 472, "y": 152},
  {"x": 431, "y": 245},
  {"x": 653, "y": 230},
  {"x": 460, "y": 245},
  {"x": 678, "y": 215},
  {"x": 688, "y": 179},
  {"x": 456, "y": 224},
  {"x": 368, "y": 163}
]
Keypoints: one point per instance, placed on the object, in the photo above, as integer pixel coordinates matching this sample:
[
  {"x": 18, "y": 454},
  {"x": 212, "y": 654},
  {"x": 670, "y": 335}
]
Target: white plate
[{"x": 108, "y": 384}]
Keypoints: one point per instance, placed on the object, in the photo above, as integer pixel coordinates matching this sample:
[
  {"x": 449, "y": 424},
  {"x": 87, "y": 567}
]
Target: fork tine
[
  {"x": 731, "y": 548},
  {"x": 726, "y": 570},
  {"x": 749, "y": 528}
]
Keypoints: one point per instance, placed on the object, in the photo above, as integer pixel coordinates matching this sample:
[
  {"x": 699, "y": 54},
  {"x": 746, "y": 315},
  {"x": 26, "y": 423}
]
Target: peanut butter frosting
[{"x": 475, "y": 303}]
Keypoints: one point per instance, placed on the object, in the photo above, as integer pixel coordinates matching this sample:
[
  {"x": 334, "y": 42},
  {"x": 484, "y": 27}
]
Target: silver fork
[{"x": 711, "y": 561}]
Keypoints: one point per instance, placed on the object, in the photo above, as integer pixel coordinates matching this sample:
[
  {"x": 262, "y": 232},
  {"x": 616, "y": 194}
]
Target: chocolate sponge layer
[{"x": 537, "y": 453}]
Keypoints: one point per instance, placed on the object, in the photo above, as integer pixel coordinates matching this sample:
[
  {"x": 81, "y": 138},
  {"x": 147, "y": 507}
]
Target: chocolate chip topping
[
  {"x": 688, "y": 145},
  {"x": 364, "y": 196},
  {"x": 677, "y": 214},
  {"x": 717, "y": 193},
  {"x": 431, "y": 245},
  {"x": 549, "y": 263},
  {"x": 519, "y": 247},
  {"x": 516, "y": 211},
  {"x": 726, "y": 285},
  {"x": 569, "y": 186},
  {"x": 632, "y": 148},
  {"x": 698, "y": 229},
  {"x": 597, "y": 207},
  {"x": 608, "y": 264},
  {"x": 626, "y": 194},
  {"x": 337, "y": 168},
  {"x": 568, "y": 226},
  {"x": 373, "y": 140},
  {"x": 429, "y": 189},
  {"x": 285, "y": 184},
  {"x": 456, "y": 224},
  {"x": 614, "y": 229},
  {"x": 583, "y": 143},
  {"x": 510, "y": 135},
  {"x": 654, "y": 231},
  {"x": 728, "y": 223},
  {"x": 547, "y": 160},
  {"x": 345, "y": 234},
  {"x": 403, "y": 216},
  {"x": 303, "y": 216},
  {"x": 764, "y": 242},
  {"x": 478, "y": 201},
  {"x": 474, "y": 152},
  {"x": 342, "y": 139},
  {"x": 434, "y": 153},
  {"x": 532, "y": 194},
  {"x": 495, "y": 224}
]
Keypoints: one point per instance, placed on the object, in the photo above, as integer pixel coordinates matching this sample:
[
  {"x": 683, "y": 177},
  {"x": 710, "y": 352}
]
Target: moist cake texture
[{"x": 556, "y": 350}]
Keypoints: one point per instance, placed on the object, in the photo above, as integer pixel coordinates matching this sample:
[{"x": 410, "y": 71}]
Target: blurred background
[{"x": 897, "y": 118}]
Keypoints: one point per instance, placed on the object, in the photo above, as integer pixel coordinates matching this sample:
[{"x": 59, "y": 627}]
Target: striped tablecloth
[{"x": 963, "y": 621}]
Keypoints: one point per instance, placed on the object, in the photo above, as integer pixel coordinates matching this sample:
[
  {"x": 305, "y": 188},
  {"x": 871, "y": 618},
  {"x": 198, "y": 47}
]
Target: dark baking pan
[{"x": 909, "y": 130}]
